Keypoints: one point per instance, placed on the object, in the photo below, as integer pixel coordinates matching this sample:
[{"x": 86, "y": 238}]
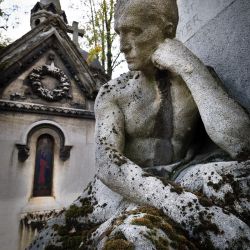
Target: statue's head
[{"x": 142, "y": 26}]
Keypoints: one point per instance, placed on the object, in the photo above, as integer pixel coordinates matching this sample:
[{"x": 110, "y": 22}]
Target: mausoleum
[{"x": 47, "y": 94}]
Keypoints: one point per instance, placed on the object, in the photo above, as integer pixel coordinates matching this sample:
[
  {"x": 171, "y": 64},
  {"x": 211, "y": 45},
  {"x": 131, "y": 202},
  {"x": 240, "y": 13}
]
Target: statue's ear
[{"x": 169, "y": 30}]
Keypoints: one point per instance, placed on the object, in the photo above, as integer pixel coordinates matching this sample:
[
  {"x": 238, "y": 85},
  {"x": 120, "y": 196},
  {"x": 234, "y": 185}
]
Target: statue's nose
[{"x": 125, "y": 45}]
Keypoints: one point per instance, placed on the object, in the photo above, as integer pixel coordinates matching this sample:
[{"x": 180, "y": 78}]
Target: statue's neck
[
  {"x": 149, "y": 72},
  {"x": 153, "y": 77}
]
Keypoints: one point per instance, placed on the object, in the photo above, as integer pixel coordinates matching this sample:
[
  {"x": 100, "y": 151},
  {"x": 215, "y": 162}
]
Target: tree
[
  {"x": 100, "y": 35},
  {"x": 3, "y": 25},
  {"x": 4, "y": 22}
]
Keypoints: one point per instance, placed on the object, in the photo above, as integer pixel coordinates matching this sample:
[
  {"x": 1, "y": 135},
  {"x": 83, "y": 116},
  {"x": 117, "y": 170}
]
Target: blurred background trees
[
  {"x": 101, "y": 40},
  {"x": 5, "y": 22}
]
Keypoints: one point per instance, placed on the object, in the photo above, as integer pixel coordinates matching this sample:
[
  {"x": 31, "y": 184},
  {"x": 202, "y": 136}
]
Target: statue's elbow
[
  {"x": 234, "y": 141},
  {"x": 103, "y": 173}
]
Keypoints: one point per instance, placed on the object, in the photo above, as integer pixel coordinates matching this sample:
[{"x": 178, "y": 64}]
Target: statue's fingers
[{"x": 158, "y": 63}]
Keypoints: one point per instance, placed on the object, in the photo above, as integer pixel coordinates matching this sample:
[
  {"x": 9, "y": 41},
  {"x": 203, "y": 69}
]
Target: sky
[{"x": 19, "y": 22}]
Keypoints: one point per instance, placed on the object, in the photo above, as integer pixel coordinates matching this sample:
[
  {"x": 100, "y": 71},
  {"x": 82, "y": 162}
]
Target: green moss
[
  {"x": 206, "y": 226},
  {"x": 142, "y": 222},
  {"x": 229, "y": 199},
  {"x": 74, "y": 211},
  {"x": 72, "y": 243},
  {"x": 62, "y": 230},
  {"x": 119, "y": 236},
  {"x": 118, "y": 241},
  {"x": 147, "y": 210},
  {"x": 118, "y": 244},
  {"x": 168, "y": 230},
  {"x": 176, "y": 188},
  {"x": 74, "y": 233},
  {"x": 205, "y": 202},
  {"x": 159, "y": 243},
  {"x": 155, "y": 219},
  {"x": 215, "y": 186}
]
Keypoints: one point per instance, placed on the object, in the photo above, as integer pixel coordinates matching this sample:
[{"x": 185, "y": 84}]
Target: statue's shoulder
[
  {"x": 124, "y": 78},
  {"x": 115, "y": 86},
  {"x": 111, "y": 91},
  {"x": 121, "y": 80}
]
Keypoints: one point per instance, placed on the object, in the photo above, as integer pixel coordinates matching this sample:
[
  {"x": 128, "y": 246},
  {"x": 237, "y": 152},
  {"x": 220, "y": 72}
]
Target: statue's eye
[
  {"x": 136, "y": 31},
  {"x": 117, "y": 31}
]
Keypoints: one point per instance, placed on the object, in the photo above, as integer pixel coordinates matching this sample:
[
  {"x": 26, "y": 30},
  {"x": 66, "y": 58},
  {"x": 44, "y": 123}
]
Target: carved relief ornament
[{"x": 59, "y": 92}]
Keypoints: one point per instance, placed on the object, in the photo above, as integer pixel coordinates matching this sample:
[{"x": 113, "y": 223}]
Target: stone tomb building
[{"x": 47, "y": 93}]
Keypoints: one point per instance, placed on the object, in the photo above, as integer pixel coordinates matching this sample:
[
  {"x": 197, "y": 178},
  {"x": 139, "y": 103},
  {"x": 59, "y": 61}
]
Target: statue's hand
[{"x": 172, "y": 55}]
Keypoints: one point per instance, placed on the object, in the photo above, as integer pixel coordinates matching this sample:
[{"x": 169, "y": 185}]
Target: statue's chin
[
  {"x": 146, "y": 66},
  {"x": 132, "y": 66}
]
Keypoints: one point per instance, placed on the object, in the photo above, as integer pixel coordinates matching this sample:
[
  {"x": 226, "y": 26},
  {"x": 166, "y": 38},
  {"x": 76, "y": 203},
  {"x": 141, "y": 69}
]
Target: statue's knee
[{"x": 146, "y": 228}]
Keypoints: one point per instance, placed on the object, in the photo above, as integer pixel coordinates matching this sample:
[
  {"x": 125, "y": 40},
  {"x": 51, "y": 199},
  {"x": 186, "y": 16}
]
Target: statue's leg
[
  {"x": 226, "y": 183},
  {"x": 147, "y": 228},
  {"x": 74, "y": 226}
]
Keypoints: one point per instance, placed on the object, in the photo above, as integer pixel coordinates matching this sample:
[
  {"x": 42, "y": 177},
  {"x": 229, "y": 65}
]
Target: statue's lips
[{"x": 129, "y": 59}]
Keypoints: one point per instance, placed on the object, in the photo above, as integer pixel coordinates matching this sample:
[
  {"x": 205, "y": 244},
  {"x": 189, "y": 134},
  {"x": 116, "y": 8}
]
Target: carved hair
[{"x": 165, "y": 10}]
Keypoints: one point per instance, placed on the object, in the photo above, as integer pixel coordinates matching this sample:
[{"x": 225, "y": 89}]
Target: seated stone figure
[{"x": 146, "y": 128}]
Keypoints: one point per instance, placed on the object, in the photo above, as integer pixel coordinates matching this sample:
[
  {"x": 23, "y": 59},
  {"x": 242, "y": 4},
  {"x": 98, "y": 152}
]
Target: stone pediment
[{"x": 44, "y": 67}]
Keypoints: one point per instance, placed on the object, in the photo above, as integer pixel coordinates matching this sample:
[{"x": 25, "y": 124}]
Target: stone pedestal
[{"x": 217, "y": 31}]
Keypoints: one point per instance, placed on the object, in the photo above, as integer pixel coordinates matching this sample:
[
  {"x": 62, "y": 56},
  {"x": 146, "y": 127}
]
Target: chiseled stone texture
[{"x": 219, "y": 35}]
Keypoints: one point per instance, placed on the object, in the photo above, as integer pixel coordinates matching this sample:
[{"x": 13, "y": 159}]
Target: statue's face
[{"x": 139, "y": 35}]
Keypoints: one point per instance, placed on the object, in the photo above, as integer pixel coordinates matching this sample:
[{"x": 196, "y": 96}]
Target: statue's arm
[
  {"x": 114, "y": 169},
  {"x": 227, "y": 124},
  {"x": 127, "y": 179}
]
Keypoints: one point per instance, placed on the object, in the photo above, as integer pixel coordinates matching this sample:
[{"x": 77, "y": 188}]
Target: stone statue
[{"x": 146, "y": 124}]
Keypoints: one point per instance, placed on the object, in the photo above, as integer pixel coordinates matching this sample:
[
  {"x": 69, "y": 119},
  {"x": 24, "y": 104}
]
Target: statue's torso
[{"x": 153, "y": 135}]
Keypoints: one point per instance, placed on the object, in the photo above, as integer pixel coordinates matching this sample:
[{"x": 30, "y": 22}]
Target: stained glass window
[{"x": 44, "y": 166}]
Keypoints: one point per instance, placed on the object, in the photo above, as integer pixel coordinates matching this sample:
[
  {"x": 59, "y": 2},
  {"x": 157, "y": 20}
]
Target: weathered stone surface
[
  {"x": 101, "y": 216},
  {"x": 217, "y": 32},
  {"x": 195, "y": 14},
  {"x": 147, "y": 121}
]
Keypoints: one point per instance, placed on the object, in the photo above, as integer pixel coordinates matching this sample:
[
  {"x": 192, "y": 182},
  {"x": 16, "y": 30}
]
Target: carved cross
[{"x": 76, "y": 32}]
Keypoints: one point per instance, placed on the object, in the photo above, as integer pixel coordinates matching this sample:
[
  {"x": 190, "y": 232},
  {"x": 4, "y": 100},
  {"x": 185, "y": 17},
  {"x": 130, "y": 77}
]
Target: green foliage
[
  {"x": 100, "y": 36},
  {"x": 93, "y": 53}
]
